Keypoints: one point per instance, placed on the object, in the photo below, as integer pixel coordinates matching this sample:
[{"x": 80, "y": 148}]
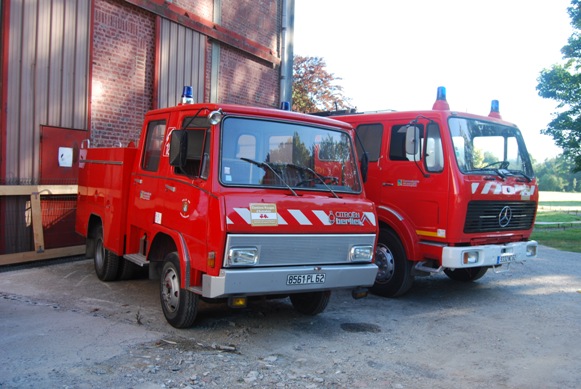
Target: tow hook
[{"x": 359, "y": 293}]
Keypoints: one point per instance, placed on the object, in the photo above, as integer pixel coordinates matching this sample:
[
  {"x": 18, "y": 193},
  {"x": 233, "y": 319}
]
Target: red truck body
[
  {"x": 440, "y": 207},
  {"x": 226, "y": 202}
]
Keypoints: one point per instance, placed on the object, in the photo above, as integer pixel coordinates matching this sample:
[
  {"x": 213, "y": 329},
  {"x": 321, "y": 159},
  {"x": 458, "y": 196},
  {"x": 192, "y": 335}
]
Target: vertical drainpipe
[
  {"x": 286, "y": 66},
  {"x": 215, "y": 67}
]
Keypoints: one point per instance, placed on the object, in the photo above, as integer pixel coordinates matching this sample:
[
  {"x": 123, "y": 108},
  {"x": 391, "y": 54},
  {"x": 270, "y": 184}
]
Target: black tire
[
  {"x": 106, "y": 262},
  {"x": 466, "y": 275},
  {"x": 311, "y": 303},
  {"x": 394, "y": 277},
  {"x": 180, "y": 306}
]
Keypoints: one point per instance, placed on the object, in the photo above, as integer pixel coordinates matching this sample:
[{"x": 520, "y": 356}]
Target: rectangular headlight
[
  {"x": 242, "y": 256},
  {"x": 361, "y": 253},
  {"x": 531, "y": 250},
  {"x": 469, "y": 257}
]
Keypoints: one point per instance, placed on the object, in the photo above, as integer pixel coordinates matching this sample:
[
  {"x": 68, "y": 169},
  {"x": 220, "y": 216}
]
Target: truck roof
[
  {"x": 256, "y": 111},
  {"x": 382, "y": 115}
]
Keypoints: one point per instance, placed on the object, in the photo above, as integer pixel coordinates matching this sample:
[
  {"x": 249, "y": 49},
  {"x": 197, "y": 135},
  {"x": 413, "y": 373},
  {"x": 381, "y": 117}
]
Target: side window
[
  {"x": 369, "y": 139},
  {"x": 195, "y": 154},
  {"x": 153, "y": 145},
  {"x": 397, "y": 146},
  {"x": 434, "y": 153}
]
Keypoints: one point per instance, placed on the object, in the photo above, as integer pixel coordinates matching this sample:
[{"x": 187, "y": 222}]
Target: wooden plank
[
  {"x": 37, "y": 232},
  {"x": 30, "y": 256},
  {"x": 27, "y": 190}
]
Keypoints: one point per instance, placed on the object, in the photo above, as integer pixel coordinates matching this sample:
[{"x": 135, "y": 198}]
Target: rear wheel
[
  {"x": 180, "y": 306},
  {"x": 311, "y": 303},
  {"x": 394, "y": 276},
  {"x": 466, "y": 275},
  {"x": 106, "y": 262}
]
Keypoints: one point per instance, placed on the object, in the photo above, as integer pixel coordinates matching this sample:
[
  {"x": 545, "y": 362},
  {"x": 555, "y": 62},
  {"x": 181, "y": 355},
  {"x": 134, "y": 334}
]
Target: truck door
[
  {"x": 186, "y": 192},
  {"x": 414, "y": 179},
  {"x": 145, "y": 184}
]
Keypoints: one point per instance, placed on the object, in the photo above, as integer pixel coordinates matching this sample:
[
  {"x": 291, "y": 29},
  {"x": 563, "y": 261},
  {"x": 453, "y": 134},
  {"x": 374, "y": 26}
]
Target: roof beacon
[
  {"x": 441, "y": 104},
  {"x": 494, "y": 110},
  {"x": 188, "y": 95}
]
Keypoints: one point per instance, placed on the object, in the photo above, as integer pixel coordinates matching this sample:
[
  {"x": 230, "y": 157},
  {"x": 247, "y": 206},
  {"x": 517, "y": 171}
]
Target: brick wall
[
  {"x": 123, "y": 63},
  {"x": 123, "y": 66}
]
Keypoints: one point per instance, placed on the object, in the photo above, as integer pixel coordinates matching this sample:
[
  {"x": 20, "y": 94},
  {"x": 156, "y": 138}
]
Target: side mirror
[
  {"x": 178, "y": 148},
  {"x": 364, "y": 166},
  {"x": 412, "y": 140}
]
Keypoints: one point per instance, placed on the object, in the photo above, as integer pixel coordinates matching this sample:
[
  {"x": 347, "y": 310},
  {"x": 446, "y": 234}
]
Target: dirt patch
[{"x": 62, "y": 327}]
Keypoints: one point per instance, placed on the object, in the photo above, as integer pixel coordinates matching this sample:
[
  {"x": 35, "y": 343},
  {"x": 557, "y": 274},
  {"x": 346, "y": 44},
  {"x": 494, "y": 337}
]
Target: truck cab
[
  {"x": 455, "y": 192},
  {"x": 225, "y": 202}
]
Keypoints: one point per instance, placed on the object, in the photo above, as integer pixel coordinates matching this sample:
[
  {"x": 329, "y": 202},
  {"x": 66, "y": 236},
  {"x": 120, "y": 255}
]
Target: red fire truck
[
  {"x": 454, "y": 192},
  {"x": 226, "y": 202}
]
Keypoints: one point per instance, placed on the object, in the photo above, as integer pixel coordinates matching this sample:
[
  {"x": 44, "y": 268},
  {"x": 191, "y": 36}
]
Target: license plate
[
  {"x": 506, "y": 258},
  {"x": 303, "y": 279}
]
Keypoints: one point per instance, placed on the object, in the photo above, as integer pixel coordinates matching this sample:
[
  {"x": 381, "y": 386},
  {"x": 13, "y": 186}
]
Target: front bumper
[
  {"x": 488, "y": 255},
  {"x": 273, "y": 280}
]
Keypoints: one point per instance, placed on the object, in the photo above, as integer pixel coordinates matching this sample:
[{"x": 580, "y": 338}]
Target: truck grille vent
[{"x": 485, "y": 216}]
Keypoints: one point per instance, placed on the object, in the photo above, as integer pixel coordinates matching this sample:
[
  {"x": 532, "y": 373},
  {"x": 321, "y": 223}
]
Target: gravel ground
[{"x": 61, "y": 327}]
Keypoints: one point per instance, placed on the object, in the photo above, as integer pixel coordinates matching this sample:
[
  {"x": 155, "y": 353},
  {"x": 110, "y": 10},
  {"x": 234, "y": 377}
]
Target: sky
[{"x": 393, "y": 54}]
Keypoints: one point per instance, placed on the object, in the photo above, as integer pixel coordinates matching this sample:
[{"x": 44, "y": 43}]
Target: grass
[{"x": 561, "y": 236}]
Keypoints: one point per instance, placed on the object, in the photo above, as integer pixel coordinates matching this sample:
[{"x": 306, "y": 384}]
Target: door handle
[
  {"x": 387, "y": 183},
  {"x": 138, "y": 180},
  {"x": 170, "y": 188}
]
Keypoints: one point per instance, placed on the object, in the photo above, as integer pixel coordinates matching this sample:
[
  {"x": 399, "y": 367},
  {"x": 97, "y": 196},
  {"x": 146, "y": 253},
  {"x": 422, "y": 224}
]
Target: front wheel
[
  {"x": 180, "y": 306},
  {"x": 466, "y": 275},
  {"x": 394, "y": 276},
  {"x": 106, "y": 262},
  {"x": 311, "y": 303}
]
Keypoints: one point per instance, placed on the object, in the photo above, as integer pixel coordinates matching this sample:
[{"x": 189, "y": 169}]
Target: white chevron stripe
[
  {"x": 323, "y": 217},
  {"x": 244, "y": 214},
  {"x": 300, "y": 217},
  {"x": 371, "y": 217}
]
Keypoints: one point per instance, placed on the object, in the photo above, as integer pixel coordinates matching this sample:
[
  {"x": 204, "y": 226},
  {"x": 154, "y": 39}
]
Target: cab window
[
  {"x": 153, "y": 145},
  {"x": 369, "y": 139}
]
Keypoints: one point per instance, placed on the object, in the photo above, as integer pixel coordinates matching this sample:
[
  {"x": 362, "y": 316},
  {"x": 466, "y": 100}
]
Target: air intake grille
[{"x": 485, "y": 216}]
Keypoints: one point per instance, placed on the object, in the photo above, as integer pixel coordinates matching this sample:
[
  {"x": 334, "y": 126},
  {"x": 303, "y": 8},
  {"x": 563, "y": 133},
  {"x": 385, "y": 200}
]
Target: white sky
[{"x": 394, "y": 54}]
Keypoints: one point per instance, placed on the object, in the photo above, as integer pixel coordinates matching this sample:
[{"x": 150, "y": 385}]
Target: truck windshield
[
  {"x": 269, "y": 153},
  {"x": 483, "y": 147}
]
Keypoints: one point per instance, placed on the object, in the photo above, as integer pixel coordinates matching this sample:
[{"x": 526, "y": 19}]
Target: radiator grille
[{"x": 485, "y": 216}]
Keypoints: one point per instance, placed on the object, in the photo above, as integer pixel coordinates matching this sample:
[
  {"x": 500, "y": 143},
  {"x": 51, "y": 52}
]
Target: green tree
[
  {"x": 314, "y": 88},
  {"x": 556, "y": 174},
  {"x": 562, "y": 83}
]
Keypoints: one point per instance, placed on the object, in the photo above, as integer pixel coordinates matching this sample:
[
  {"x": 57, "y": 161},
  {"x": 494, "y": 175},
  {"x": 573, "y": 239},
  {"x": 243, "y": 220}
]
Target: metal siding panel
[
  {"x": 13, "y": 94},
  {"x": 42, "y": 63},
  {"x": 28, "y": 136},
  {"x": 81, "y": 91},
  {"x": 181, "y": 62},
  {"x": 200, "y": 67},
  {"x": 163, "y": 63},
  {"x": 68, "y": 64},
  {"x": 55, "y": 57},
  {"x": 181, "y": 59},
  {"x": 173, "y": 66}
]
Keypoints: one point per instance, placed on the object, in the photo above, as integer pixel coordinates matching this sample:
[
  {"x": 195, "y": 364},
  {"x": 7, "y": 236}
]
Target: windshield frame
[
  {"x": 248, "y": 144},
  {"x": 465, "y": 130}
]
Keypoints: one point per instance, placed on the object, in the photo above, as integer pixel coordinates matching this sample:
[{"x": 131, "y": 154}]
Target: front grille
[
  {"x": 485, "y": 216},
  {"x": 299, "y": 250}
]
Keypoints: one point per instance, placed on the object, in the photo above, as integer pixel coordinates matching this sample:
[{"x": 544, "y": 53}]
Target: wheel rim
[
  {"x": 171, "y": 290},
  {"x": 385, "y": 262},
  {"x": 99, "y": 254}
]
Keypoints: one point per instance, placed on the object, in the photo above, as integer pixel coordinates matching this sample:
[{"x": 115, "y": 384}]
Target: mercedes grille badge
[{"x": 504, "y": 216}]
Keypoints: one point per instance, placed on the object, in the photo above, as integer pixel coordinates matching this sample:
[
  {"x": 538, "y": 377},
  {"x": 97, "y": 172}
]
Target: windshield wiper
[
  {"x": 315, "y": 174},
  {"x": 519, "y": 173},
  {"x": 266, "y": 165}
]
